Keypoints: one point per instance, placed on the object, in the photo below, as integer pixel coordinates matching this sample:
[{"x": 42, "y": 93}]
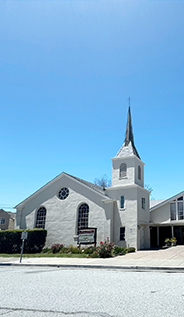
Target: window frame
[
  {"x": 139, "y": 173},
  {"x": 63, "y": 193},
  {"x": 120, "y": 202},
  {"x": 41, "y": 219},
  {"x": 143, "y": 203},
  {"x": 178, "y": 210},
  {"x": 84, "y": 223},
  {"x": 123, "y": 171},
  {"x": 122, "y": 234},
  {"x": 173, "y": 212},
  {"x": 2, "y": 220}
]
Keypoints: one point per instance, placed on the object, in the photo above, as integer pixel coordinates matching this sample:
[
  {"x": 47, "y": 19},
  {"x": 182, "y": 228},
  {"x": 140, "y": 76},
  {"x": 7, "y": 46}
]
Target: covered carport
[{"x": 158, "y": 234}]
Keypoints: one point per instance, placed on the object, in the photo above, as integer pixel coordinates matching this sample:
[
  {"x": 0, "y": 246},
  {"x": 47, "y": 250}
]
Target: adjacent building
[
  {"x": 167, "y": 220},
  {"x": 7, "y": 220}
]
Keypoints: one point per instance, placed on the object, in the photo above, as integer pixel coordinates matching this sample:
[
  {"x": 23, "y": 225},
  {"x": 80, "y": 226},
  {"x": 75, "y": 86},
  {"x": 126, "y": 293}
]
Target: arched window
[
  {"x": 123, "y": 170},
  {"x": 139, "y": 172},
  {"x": 41, "y": 218},
  {"x": 83, "y": 216}
]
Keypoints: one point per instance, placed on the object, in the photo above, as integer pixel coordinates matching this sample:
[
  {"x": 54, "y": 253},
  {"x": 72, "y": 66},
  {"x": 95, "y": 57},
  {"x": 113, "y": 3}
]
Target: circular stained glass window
[{"x": 63, "y": 193}]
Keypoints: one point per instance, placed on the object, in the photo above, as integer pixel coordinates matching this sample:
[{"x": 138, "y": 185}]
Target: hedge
[{"x": 10, "y": 241}]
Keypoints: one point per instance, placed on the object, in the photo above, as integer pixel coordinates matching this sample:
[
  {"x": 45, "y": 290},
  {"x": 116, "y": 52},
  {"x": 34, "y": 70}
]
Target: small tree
[
  {"x": 104, "y": 181},
  {"x": 148, "y": 187}
]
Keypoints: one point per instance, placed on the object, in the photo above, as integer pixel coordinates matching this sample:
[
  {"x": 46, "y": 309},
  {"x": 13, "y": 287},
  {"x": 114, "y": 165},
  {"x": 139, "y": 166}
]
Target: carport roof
[{"x": 163, "y": 202}]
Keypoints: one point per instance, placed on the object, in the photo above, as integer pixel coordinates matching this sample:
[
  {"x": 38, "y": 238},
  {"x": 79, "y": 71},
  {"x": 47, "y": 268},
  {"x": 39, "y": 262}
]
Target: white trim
[
  {"x": 126, "y": 187},
  {"x": 167, "y": 201},
  {"x": 168, "y": 223},
  {"x": 127, "y": 157},
  {"x": 108, "y": 201}
]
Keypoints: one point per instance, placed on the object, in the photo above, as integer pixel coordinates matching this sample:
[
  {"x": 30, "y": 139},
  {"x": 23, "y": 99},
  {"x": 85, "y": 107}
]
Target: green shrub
[
  {"x": 94, "y": 254},
  {"x": 64, "y": 250},
  {"x": 119, "y": 250},
  {"x": 35, "y": 241},
  {"x": 89, "y": 250},
  {"x": 10, "y": 241},
  {"x": 46, "y": 250},
  {"x": 173, "y": 240},
  {"x": 56, "y": 248},
  {"x": 74, "y": 250},
  {"x": 105, "y": 249},
  {"x": 131, "y": 249}
]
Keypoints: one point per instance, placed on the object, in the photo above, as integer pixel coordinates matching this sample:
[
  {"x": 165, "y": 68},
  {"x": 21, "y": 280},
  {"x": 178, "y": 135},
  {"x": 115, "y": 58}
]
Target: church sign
[{"x": 87, "y": 236}]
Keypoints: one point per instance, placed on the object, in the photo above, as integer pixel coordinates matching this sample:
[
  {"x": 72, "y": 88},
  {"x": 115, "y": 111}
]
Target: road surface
[{"x": 56, "y": 292}]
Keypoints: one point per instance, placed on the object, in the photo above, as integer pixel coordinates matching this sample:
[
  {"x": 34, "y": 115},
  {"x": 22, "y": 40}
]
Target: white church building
[{"x": 68, "y": 206}]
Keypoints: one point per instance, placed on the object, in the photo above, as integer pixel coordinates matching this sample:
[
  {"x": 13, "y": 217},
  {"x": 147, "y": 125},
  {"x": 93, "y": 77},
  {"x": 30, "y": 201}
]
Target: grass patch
[{"x": 45, "y": 255}]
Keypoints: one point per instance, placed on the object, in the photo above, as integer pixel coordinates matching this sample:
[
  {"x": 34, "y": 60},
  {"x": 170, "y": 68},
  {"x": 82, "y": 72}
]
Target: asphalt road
[{"x": 37, "y": 292}]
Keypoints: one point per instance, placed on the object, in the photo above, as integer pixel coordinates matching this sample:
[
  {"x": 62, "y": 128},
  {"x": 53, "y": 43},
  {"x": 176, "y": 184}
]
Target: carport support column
[
  {"x": 172, "y": 231},
  {"x": 157, "y": 236}
]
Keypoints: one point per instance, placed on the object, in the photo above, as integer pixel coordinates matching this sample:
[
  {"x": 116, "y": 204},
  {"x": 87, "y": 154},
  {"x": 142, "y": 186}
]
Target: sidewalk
[{"x": 171, "y": 259}]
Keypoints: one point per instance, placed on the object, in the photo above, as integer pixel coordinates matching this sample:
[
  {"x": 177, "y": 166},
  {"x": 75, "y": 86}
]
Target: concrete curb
[{"x": 133, "y": 268}]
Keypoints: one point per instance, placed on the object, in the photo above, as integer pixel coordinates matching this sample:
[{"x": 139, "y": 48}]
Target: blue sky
[{"x": 67, "y": 69}]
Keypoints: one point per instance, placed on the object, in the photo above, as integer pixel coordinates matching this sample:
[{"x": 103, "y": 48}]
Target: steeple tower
[
  {"x": 128, "y": 169},
  {"x": 128, "y": 147},
  {"x": 131, "y": 199}
]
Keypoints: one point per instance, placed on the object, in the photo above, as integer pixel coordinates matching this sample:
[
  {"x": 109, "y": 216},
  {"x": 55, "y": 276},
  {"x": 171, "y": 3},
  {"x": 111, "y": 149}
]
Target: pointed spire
[
  {"x": 129, "y": 133},
  {"x": 128, "y": 146}
]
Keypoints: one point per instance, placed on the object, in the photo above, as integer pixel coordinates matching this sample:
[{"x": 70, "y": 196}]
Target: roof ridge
[
  {"x": 91, "y": 185},
  {"x": 167, "y": 200}
]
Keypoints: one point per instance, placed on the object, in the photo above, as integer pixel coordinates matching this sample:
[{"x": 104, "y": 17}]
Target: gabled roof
[
  {"x": 7, "y": 213},
  {"x": 154, "y": 202},
  {"x": 128, "y": 147},
  {"x": 166, "y": 201},
  {"x": 91, "y": 186},
  {"x": 2, "y": 211},
  {"x": 97, "y": 188}
]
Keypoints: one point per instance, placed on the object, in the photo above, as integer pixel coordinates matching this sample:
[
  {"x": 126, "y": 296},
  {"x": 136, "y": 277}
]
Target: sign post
[
  {"x": 23, "y": 238},
  {"x": 87, "y": 236}
]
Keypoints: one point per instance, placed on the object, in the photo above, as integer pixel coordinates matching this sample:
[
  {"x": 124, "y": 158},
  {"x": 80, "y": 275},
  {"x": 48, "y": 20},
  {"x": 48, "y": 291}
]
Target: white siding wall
[
  {"x": 129, "y": 179},
  {"x": 161, "y": 214},
  {"x": 143, "y": 219},
  {"x": 138, "y": 181},
  {"x": 132, "y": 171},
  {"x": 126, "y": 217},
  {"x": 143, "y": 214},
  {"x": 62, "y": 215}
]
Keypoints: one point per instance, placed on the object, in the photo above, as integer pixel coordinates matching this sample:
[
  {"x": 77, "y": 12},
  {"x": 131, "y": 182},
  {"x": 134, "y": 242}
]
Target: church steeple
[{"x": 128, "y": 147}]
